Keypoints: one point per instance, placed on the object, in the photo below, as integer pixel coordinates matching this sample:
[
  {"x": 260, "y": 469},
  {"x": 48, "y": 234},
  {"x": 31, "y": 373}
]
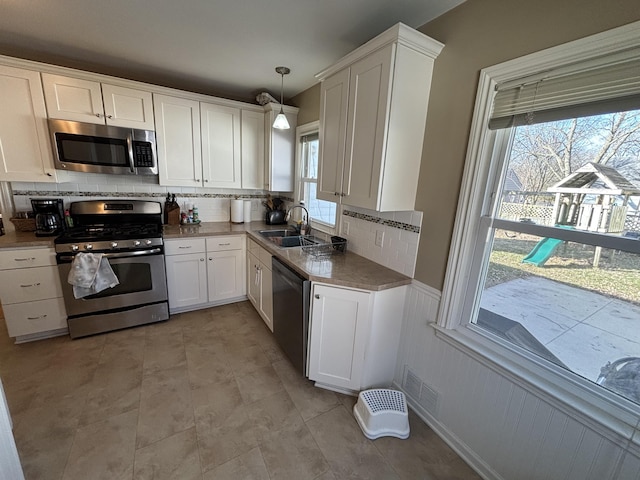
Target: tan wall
[
  {"x": 309, "y": 104},
  {"x": 478, "y": 34}
]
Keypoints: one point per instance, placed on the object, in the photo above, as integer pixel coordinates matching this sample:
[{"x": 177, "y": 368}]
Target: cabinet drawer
[
  {"x": 222, "y": 243},
  {"x": 187, "y": 245},
  {"x": 265, "y": 257},
  {"x": 28, "y": 257},
  {"x": 35, "y": 317},
  {"x": 29, "y": 284}
]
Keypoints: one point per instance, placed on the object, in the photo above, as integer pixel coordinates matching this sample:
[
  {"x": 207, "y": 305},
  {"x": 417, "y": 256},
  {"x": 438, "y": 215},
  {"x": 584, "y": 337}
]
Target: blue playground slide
[{"x": 542, "y": 251}]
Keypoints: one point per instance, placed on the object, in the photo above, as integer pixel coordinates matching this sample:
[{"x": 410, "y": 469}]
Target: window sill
[{"x": 605, "y": 412}]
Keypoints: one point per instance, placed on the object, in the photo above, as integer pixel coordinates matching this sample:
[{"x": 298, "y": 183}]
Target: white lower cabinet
[
  {"x": 354, "y": 337},
  {"x": 204, "y": 272},
  {"x": 30, "y": 293},
  {"x": 259, "y": 281}
]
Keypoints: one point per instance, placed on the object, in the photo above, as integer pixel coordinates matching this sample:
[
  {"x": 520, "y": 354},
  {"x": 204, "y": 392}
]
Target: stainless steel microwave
[{"x": 88, "y": 147}]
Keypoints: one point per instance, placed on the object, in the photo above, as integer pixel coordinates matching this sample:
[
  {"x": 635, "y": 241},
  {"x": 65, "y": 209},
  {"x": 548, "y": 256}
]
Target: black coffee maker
[{"x": 49, "y": 214}]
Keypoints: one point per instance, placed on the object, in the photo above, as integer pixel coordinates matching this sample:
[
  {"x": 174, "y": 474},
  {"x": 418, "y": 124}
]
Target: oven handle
[{"x": 69, "y": 257}]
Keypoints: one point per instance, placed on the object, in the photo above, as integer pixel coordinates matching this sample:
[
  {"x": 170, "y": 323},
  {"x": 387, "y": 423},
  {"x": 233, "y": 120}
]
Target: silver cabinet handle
[
  {"x": 31, "y": 285},
  {"x": 336, "y": 194},
  {"x": 202, "y": 259},
  {"x": 210, "y": 258},
  {"x": 224, "y": 244},
  {"x": 316, "y": 296},
  {"x": 24, "y": 259},
  {"x": 109, "y": 116},
  {"x": 188, "y": 246},
  {"x": 37, "y": 318},
  {"x": 98, "y": 115}
]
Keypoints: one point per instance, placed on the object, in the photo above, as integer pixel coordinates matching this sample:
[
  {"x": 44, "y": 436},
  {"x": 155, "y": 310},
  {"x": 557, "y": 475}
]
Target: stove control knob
[
  {"x": 75, "y": 248},
  {"x": 88, "y": 246},
  {"x": 148, "y": 242},
  {"x": 114, "y": 244},
  {"x": 136, "y": 243}
]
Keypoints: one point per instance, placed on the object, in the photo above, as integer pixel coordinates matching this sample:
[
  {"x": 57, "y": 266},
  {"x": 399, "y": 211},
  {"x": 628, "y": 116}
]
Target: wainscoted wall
[
  {"x": 496, "y": 424},
  {"x": 400, "y": 232}
]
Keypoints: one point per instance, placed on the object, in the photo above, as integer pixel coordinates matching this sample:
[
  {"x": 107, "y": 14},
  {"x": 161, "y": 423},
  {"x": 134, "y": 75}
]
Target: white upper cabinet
[
  {"x": 280, "y": 148},
  {"x": 373, "y": 110},
  {"x": 220, "y": 136},
  {"x": 25, "y": 149},
  {"x": 252, "y": 149},
  {"x": 178, "y": 141},
  {"x": 89, "y": 101}
]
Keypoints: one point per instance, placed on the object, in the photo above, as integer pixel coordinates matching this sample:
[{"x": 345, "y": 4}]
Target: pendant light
[{"x": 281, "y": 122}]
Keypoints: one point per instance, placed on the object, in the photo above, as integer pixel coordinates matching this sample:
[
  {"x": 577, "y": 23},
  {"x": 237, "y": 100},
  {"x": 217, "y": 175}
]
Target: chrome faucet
[{"x": 305, "y": 220}]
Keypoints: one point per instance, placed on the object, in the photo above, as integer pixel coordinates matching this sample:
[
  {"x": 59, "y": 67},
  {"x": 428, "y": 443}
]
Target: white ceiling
[{"x": 223, "y": 47}]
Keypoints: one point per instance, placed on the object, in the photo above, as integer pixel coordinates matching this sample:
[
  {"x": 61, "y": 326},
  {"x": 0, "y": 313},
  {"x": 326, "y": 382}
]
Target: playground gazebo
[{"x": 600, "y": 215}]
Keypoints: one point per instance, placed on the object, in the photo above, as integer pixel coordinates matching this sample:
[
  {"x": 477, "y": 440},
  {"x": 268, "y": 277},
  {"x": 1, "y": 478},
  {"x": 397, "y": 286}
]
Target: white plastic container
[{"x": 382, "y": 413}]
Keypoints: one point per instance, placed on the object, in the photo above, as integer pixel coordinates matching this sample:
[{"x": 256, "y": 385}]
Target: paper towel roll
[
  {"x": 237, "y": 207},
  {"x": 247, "y": 210}
]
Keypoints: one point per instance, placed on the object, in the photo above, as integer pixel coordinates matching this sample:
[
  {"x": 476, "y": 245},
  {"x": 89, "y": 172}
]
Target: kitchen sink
[
  {"x": 284, "y": 232},
  {"x": 287, "y": 238}
]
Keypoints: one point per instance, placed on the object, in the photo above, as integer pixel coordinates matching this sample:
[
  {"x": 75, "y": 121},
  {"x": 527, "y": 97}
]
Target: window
[
  {"x": 544, "y": 271},
  {"x": 322, "y": 214}
]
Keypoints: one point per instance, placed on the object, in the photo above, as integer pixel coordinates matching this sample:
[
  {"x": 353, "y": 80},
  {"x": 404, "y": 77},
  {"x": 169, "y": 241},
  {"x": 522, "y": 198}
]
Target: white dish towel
[{"x": 91, "y": 273}]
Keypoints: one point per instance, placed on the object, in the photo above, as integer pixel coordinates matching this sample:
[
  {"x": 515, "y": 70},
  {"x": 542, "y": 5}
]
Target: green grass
[{"x": 617, "y": 275}]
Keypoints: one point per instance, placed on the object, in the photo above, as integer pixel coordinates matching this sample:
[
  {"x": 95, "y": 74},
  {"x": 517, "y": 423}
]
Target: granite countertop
[
  {"x": 347, "y": 270},
  {"x": 25, "y": 240}
]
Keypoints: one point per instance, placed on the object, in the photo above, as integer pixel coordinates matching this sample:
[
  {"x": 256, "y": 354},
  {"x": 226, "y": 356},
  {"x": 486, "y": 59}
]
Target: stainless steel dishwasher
[{"x": 291, "y": 313}]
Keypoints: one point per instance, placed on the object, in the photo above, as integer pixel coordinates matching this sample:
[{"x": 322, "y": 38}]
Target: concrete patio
[{"x": 585, "y": 330}]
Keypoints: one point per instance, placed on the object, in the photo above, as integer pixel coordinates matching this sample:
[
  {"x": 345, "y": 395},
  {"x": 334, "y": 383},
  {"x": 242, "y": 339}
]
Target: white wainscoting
[{"x": 503, "y": 430}]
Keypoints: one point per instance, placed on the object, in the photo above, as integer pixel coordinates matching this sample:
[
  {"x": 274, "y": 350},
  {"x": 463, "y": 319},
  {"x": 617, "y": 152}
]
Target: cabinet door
[
  {"x": 369, "y": 96},
  {"x": 339, "y": 332},
  {"x": 266, "y": 295},
  {"x": 73, "y": 99},
  {"x": 178, "y": 141},
  {"x": 220, "y": 127},
  {"x": 26, "y": 154},
  {"x": 225, "y": 274},
  {"x": 128, "y": 107},
  {"x": 252, "y": 149},
  {"x": 280, "y": 152},
  {"x": 334, "y": 98},
  {"x": 186, "y": 279},
  {"x": 253, "y": 280}
]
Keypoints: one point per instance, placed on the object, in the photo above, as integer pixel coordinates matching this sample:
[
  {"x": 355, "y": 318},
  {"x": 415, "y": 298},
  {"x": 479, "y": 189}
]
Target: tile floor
[{"x": 206, "y": 395}]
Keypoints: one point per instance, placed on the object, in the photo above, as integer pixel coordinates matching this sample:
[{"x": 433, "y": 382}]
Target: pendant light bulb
[{"x": 281, "y": 122}]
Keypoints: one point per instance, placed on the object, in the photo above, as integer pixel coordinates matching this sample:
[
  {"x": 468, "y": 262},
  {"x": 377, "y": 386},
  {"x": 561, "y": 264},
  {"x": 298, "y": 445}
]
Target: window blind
[
  {"x": 309, "y": 138},
  {"x": 599, "y": 86}
]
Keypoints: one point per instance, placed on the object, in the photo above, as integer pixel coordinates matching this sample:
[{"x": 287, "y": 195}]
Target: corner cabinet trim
[{"x": 400, "y": 33}]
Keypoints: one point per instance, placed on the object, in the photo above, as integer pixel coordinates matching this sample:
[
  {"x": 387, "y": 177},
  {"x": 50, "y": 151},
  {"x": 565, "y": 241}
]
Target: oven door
[{"x": 142, "y": 281}]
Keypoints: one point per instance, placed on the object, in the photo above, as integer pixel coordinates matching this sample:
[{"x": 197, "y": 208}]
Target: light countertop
[{"x": 347, "y": 269}]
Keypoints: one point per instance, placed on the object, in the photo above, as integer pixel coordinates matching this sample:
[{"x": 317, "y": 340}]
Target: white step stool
[{"x": 382, "y": 413}]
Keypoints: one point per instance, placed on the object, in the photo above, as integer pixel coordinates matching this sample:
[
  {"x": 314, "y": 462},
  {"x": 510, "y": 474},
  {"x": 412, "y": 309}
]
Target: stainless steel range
[{"x": 129, "y": 234}]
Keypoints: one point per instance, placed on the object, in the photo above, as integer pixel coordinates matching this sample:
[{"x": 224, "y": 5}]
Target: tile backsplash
[
  {"x": 397, "y": 232},
  {"x": 397, "y": 235},
  {"x": 213, "y": 204}
]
